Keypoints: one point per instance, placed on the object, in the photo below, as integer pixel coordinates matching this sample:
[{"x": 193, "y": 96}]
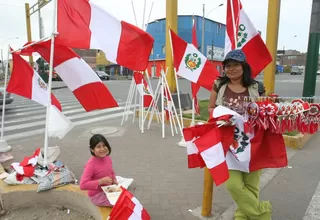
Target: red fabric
[
  {"x": 232, "y": 33},
  {"x": 267, "y": 149},
  {"x": 135, "y": 47},
  {"x": 124, "y": 208},
  {"x": 74, "y": 18},
  {"x": 257, "y": 53},
  {"x": 92, "y": 96},
  {"x": 21, "y": 80}
]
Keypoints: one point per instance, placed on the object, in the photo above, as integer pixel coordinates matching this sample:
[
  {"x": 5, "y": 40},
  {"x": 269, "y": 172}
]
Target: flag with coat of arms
[{"x": 191, "y": 64}]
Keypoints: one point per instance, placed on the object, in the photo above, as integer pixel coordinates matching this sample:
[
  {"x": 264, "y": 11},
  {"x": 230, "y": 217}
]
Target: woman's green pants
[{"x": 244, "y": 189}]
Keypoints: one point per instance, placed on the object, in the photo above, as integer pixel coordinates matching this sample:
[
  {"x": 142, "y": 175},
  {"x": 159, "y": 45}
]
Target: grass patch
[
  {"x": 204, "y": 114},
  {"x": 292, "y": 133}
]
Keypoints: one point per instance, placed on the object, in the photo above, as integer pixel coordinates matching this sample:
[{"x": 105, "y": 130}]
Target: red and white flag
[
  {"x": 250, "y": 152},
  {"x": 194, "y": 86},
  {"x": 26, "y": 167},
  {"x": 241, "y": 34},
  {"x": 128, "y": 207},
  {"x": 77, "y": 75},
  {"x": 143, "y": 88},
  {"x": 26, "y": 82},
  {"x": 85, "y": 24},
  {"x": 191, "y": 64},
  {"x": 212, "y": 152}
]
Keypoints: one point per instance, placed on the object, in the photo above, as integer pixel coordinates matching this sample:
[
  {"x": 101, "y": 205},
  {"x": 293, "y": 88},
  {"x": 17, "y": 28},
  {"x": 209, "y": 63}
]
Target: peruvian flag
[
  {"x": 212, "y": 152},
  {"x": 250, "y": 152},
  {"x": 26, "y": 82},
  {"x": 128, "y": 207},
  {"x": 143, "y": 88},
  {"x": 26, "y": 167},
  {"x": 190, "y": 135},
  {"x": 241, "y": 34},
  {"x": 194, "y": 86},
  {"x": 191, "y": 64},
  {"x": 77, "y": 75},
  {"x": 85, "y": 24}
]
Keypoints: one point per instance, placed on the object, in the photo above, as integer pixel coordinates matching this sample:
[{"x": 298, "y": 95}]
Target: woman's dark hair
[
  {"x": 96, "y": 139},
  {"x": 247, "y": 80}
]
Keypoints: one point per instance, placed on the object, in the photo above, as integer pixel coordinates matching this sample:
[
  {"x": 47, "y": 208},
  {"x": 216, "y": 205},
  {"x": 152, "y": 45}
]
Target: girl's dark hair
[
  {"x": 96, "y": 139},
  {"x": 247, "y": 80}
]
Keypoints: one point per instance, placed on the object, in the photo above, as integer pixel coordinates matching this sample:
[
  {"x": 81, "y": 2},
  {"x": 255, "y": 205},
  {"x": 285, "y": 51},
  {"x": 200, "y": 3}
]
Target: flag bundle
[
  {"x": 241, "y": 34},
  {"x": 143, "y": 88},
  {"x": 229, "y": 147},
  {"x": 205, "y": 148},
  {"x": 26, "y": 167},
  {"x": 128, "y": 207}
]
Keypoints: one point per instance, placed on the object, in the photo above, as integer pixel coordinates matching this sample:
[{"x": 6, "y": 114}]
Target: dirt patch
[{"x": 45, "y": 213}]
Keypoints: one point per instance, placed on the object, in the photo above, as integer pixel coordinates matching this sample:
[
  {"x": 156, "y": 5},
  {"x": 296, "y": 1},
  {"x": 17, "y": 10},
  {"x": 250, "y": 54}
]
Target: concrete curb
[
  {"x": 60, "y": 87},
  {"x": 69, "y": 196}
]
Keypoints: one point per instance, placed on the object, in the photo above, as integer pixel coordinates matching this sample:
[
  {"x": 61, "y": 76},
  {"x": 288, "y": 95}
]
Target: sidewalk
[{"x": 162, "y": 182}]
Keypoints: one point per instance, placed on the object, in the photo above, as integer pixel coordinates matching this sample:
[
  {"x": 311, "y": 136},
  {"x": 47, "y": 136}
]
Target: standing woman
[{"x": 230, "y": 90}]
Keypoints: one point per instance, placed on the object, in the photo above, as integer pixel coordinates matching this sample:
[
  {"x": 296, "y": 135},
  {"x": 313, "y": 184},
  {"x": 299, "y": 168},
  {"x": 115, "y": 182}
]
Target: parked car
[
  {"x": 318, "y": 72},
  {"x": 9, "y": 98},
  {"x": 102, "y": 75}
]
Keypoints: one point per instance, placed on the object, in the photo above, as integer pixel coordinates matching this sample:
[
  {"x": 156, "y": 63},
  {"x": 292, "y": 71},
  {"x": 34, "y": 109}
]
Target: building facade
[
  {"x": 89, "y": 56},
  {"x": 214, "y": 40}
]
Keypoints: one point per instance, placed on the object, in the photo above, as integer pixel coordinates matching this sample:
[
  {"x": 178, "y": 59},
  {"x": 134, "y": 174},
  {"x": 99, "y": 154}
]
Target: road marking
[
  {"x": 313, "y": 211},
  {"x": 78, "y": 116},
  {"x": 27, "y": 134}
]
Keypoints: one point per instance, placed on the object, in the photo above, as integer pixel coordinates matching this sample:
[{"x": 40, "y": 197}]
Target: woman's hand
[{"x": 105, "y": 181}]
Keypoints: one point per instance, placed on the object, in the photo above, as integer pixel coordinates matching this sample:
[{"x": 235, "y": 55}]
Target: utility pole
[
  {"x": 30, "y": 11},
  {"x": 28, "y": 22},
  {"x": 272, "y": 42},
  {"x": 171, "y": 23},
  {"x": 310, "y": 76}
]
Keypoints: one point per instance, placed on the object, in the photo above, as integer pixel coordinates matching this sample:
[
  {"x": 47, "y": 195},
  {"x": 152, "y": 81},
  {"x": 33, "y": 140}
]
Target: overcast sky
[{"x": 294, "y": 20}]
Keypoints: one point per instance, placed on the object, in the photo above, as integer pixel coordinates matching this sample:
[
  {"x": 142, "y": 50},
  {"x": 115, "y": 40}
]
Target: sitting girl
[{"x": 98, "y": 171}]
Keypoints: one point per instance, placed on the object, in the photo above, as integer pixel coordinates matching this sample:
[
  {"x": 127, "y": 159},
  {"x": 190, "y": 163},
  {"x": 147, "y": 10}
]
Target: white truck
[{"x": 297, "y": 70}]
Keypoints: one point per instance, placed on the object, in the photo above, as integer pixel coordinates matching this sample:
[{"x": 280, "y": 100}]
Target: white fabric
[
  {"x": 184, "y": 71},
  {"x": 191, "y": 148},
  {"x": 213, "y": 156},
  {"x": 76, "y": 73},
  {"x": 242, "y": 162},
  {"x": 105, "y": 31},
  {"x": 59, "y": 124},
  {"x": 39, "y": 89},
  {"x": 137, "y": 211},
  {"x": 250, "y": 29}
]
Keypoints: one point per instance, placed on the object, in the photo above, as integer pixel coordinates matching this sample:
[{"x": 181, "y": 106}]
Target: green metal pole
[{"x": 310, "y": 77}]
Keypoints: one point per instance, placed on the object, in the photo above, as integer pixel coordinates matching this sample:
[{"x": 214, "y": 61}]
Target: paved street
[{"x": 163, "y": 183}]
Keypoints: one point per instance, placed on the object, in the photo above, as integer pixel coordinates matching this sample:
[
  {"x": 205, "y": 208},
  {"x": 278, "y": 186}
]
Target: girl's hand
[
  {"x": 115, "y": 182},
  {"x": 105, "y": 181}
]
